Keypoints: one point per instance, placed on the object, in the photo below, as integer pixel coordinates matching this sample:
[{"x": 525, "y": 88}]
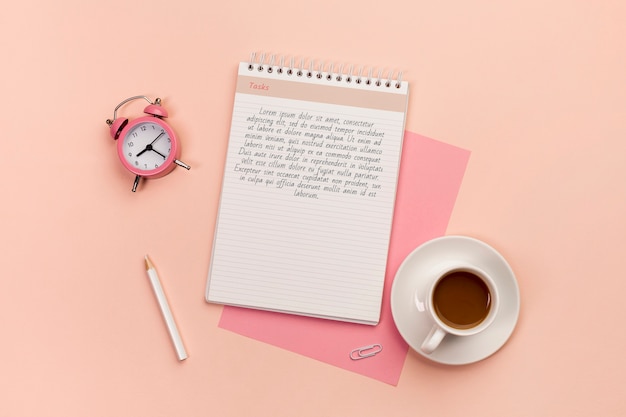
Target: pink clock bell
[{"x": 147, "y": 146}]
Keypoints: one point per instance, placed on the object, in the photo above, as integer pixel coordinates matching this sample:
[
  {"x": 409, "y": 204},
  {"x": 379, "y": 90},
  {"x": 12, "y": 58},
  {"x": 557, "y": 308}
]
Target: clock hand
[
  {"x": 149, "y": 146},
  {"x": 155, "y": 139},
  {"x": 152, "y": 149}
]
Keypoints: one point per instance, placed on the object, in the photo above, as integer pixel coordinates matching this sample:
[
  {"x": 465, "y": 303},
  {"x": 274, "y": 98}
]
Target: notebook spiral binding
[{"x": 318, "y": 70}]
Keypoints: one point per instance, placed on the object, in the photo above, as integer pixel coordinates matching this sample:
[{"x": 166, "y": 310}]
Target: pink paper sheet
[{"x": 430, "y": 176}]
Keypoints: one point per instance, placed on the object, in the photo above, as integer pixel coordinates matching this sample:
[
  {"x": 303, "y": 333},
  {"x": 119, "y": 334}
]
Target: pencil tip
[{"x": 148, "y": 263}]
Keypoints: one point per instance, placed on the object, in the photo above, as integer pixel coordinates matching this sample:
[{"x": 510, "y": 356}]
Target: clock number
[
  {"x": 134, "y": 134},
  {"x": 131, "y": 144},
  {"x": 143, "y": 128}
]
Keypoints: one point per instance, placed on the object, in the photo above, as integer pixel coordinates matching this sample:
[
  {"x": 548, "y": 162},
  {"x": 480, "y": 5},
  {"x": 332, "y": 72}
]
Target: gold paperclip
[{"x": 366, "y": 351}]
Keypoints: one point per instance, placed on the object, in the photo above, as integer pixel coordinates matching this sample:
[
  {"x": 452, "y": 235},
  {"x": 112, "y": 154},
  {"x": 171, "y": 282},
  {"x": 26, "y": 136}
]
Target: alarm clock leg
[
  {"x": 182, "y": 164},
  {"x": 136, "y": 183}
]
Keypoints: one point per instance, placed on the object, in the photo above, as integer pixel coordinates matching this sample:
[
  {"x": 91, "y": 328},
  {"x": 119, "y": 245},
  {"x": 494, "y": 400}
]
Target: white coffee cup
[{"x": 461, "y": 300}]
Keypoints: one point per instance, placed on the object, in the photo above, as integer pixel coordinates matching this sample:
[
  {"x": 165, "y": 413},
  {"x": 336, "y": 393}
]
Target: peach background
[{"x": 536, "y": 90}]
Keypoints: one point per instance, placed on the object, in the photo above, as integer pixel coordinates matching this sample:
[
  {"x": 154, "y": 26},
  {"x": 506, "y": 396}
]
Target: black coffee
[{"x": 462, "y": 300}]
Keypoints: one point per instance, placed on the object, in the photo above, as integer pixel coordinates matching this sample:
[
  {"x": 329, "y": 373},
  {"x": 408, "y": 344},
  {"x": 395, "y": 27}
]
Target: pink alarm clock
[{"x": 147, "y": 146}]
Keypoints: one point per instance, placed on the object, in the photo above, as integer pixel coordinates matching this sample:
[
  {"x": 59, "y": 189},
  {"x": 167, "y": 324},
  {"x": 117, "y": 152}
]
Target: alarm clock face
[{"x": 147, "y": 147}]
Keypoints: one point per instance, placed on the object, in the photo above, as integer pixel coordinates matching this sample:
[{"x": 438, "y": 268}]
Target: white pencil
[{"x": 165, "y": 310}]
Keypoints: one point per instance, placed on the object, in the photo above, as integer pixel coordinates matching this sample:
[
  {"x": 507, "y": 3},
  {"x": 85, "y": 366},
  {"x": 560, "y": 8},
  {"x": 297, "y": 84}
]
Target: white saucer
[{"x": 414, "y": 325}]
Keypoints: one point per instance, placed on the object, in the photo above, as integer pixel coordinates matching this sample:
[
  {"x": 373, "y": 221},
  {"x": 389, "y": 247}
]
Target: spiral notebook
[{"x": 308, "y": 191}]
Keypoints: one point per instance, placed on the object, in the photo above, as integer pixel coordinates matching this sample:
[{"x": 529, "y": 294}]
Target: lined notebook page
[{"x": 307, "y": 196}]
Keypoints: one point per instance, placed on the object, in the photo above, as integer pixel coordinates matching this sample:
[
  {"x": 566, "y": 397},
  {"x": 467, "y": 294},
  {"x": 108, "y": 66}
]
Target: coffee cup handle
[{"x": 434, "y": 338}]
